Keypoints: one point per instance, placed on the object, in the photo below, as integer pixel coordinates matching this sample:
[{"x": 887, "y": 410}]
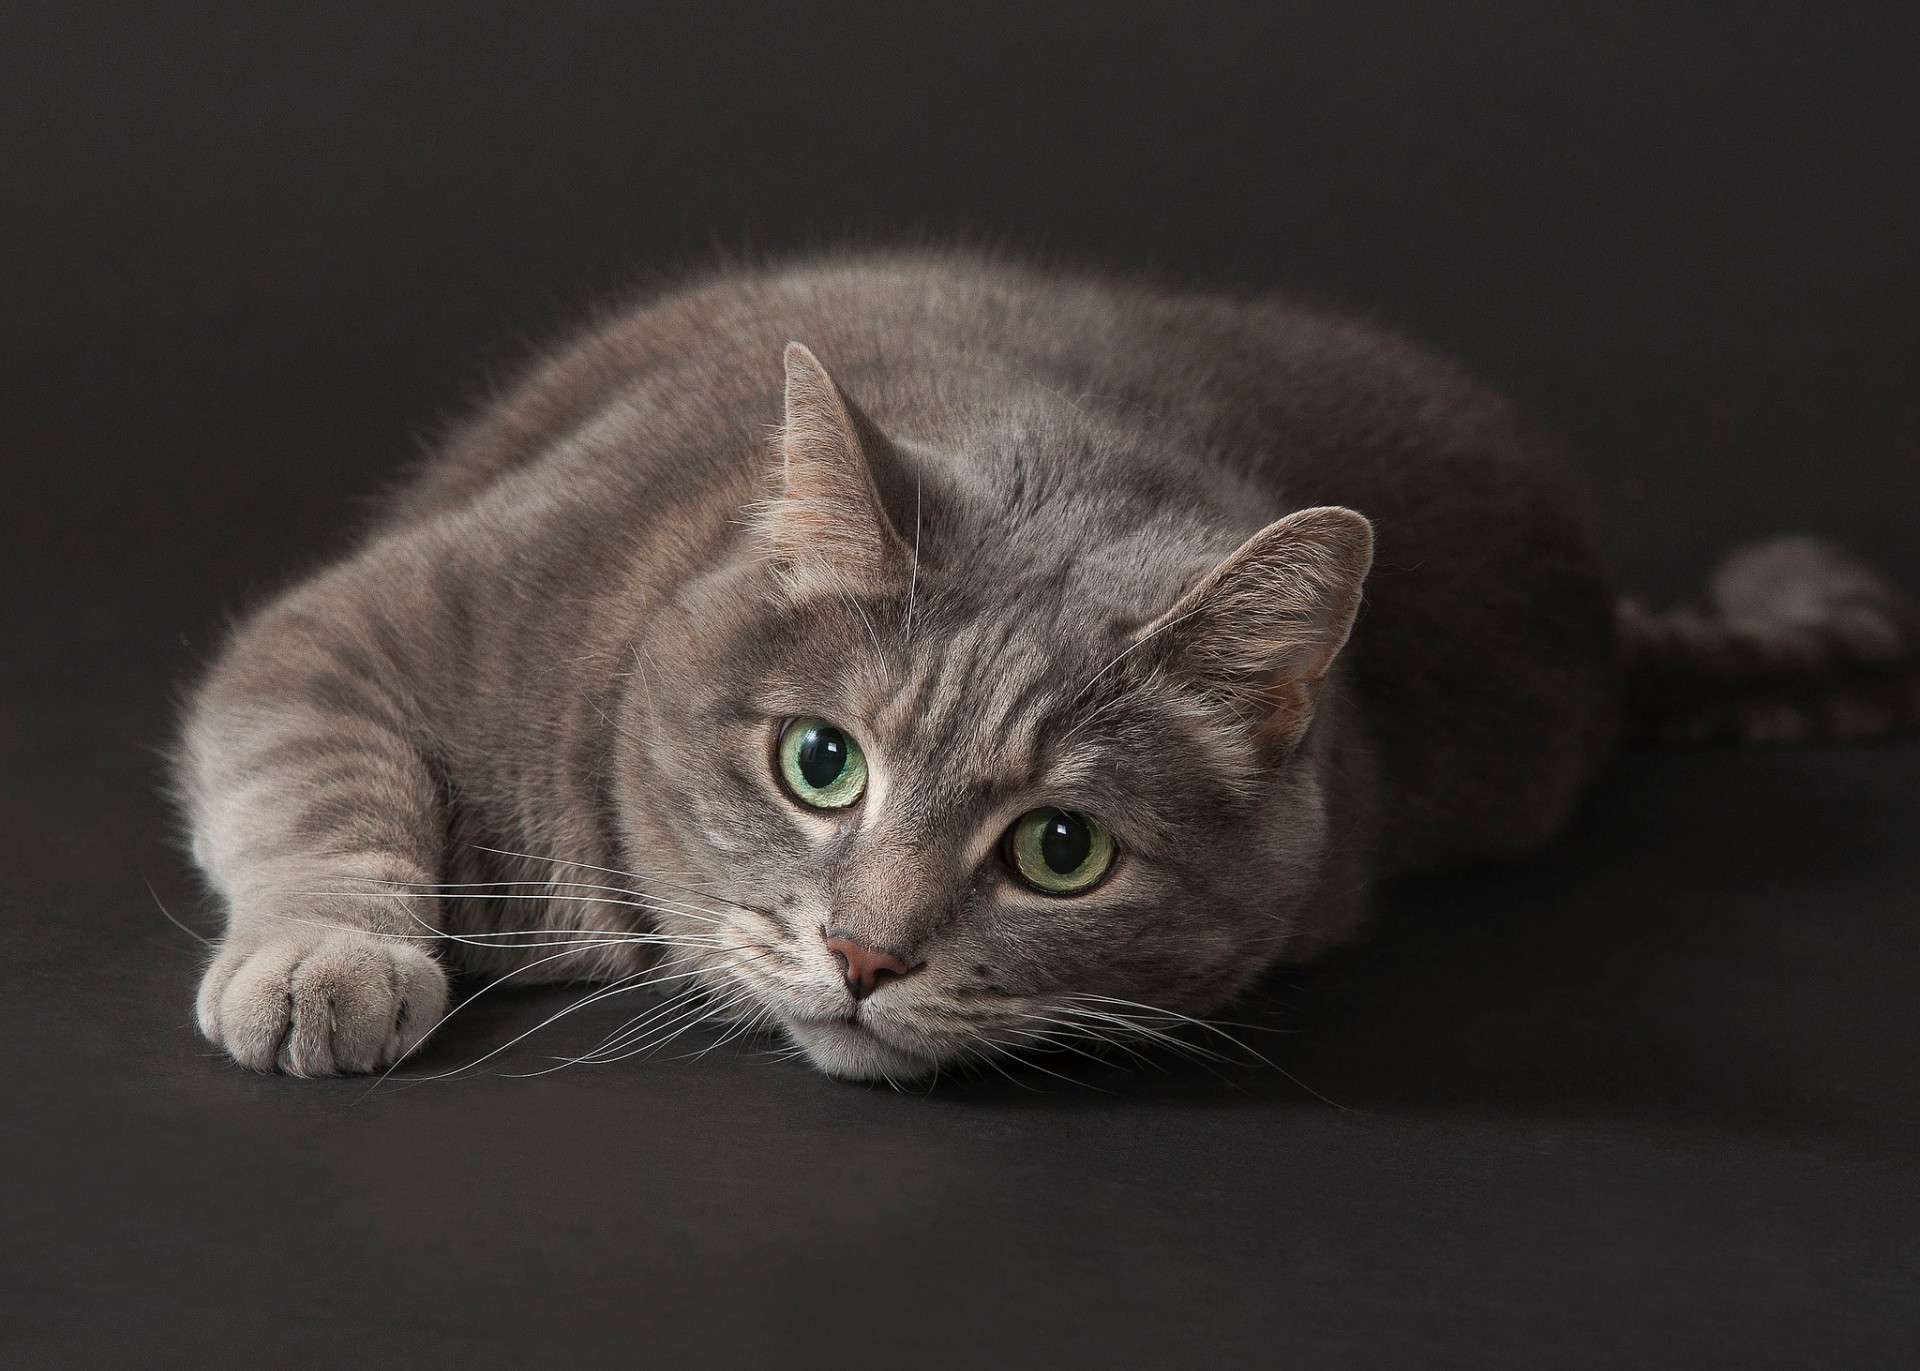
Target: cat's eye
[
  {"x": 820, "y": 764},
  {"x": 1057, "y": 852}
]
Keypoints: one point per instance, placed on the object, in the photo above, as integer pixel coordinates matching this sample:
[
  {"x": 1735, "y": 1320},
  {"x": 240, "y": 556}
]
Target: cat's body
[{"x": 1001, "y": 557}]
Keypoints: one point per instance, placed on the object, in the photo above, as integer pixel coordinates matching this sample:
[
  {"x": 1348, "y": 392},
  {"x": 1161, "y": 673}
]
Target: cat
[{"x": 927, "y": 656}]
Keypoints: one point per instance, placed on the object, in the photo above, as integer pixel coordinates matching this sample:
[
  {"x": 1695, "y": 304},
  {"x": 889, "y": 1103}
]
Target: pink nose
[{"x": 866, "y": 968}]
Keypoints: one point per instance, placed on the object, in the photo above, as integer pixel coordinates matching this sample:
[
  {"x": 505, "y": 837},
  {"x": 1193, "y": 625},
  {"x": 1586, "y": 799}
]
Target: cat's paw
[{"x": 320, "y": 1003}]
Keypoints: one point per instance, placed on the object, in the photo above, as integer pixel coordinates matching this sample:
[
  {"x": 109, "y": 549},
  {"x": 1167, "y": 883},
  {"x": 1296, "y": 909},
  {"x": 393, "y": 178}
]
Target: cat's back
[{"x": 1487, "y": 595}]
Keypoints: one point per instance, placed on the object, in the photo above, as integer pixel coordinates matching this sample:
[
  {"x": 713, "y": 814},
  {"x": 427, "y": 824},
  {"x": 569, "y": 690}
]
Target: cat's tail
[{"x": 1796, "y": 641}]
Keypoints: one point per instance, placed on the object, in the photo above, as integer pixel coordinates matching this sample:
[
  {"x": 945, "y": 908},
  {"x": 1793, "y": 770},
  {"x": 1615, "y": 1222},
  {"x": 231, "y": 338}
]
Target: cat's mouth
[{"x": 851, "y": 1049}]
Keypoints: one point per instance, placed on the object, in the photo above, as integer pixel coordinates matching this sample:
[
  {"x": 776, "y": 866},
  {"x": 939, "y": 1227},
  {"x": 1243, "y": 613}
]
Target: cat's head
[{"x": 969, "y": 750}]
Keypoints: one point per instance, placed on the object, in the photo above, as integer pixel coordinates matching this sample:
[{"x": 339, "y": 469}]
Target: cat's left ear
[
  {"x": 1264, "y": 626},
  {"x": 826, "y": 522}
]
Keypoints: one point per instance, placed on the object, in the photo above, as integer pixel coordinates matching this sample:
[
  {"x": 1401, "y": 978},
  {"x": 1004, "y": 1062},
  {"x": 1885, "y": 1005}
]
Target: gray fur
[{"x": 1033, "y": 539}]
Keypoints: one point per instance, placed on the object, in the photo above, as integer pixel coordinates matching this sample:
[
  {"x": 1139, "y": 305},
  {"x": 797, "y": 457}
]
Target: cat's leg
[{"x": 320, "y": 822}]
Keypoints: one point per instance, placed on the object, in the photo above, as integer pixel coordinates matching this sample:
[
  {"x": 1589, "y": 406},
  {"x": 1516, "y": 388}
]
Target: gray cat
[{"x": 1066, "y": 657}]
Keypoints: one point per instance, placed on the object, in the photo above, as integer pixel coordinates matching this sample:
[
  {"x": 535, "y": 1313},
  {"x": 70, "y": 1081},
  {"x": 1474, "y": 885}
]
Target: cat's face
[{"x": 918, "y": 821}]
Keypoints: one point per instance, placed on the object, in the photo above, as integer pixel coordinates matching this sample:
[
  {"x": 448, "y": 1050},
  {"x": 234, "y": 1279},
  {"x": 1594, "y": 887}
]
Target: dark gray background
[{"x": 1651, "y": 1099}]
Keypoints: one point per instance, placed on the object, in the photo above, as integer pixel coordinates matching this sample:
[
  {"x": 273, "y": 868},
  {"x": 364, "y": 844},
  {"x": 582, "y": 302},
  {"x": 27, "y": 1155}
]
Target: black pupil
[
  {"x": 823, "y": 756},
  {"x": 1065, "y": 841}
]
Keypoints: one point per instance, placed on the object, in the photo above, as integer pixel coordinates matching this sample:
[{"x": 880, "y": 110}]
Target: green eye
[
  {"x": 1059, "y": 853},
  {"x": 821, "y": 765}
]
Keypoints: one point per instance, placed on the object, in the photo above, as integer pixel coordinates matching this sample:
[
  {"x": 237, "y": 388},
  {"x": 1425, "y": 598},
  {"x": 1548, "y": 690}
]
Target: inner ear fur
[
  {"x": 1263, "y": 627},
  {"x": 825, "y": 520}
]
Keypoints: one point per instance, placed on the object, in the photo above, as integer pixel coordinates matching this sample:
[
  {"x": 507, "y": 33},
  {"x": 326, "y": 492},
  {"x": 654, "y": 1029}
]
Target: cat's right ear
[{"x": 825, "y": 522}]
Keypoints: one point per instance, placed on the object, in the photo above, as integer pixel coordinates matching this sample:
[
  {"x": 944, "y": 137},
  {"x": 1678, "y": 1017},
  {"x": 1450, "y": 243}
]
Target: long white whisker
[
  {"x": 1213, "y": 1028},
  {"x": 642, "y": 897},
  {"x": 1135, "y": 1027},
  {"x": 1174, "y": 1015},
  {"x": 643, "y": 903},
  {"x": 879, "y": 653},
  {"x": 626, "y": 1032},
  {"x": 645, "y": 1022},
  {"x": 603, "y": 870},
  {"x": 1138, "y": 1025},
  {"x": 739, "y": 1029},
  {"x": 460, "y": 890},
  {"x": 197, "y": 937},
  {"x": 913, "y": 581},
  {"x": 471, "y": 999},
  {"x": 1130, "y": 647},
  {"x": 690, "y": 998},
  {"x": 618, "y": 987},
  {"x": 1077, "y": 1029},
  {"x": 1019, "y": 1054},
  {"x": 742, "y": 1029},
  {"x": 989, "y": 1059},
  {"x": 703, "y": 1007},
  {"x": 428, "y": 895},
  {"x": 520, "y": 937}
]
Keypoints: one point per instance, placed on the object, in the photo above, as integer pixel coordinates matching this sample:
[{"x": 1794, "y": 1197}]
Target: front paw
[{"x": 320, "y": 1003}]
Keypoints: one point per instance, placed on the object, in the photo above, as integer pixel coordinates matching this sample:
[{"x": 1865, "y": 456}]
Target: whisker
[
  {"x": 645, "y": 904},
  {"x": 451, "y": 1013},
  {"x": 528, "y": 937},
  {"x": 740, "y": 1029},
  {"x": 624, "y": 985},
  {"x": 1217, "y": 1029},
  {"x": 1177, "y": 1017},
  {"x": 694, "y": 911},
  {"x": 913, "y": 580},
  {"x": 988, "y": 1059},
  {"x": 627, "y": 1032},
  {"x": 1150, "y": 1032},
  {"x": 1130, "y": 647},
  {"x": 642, "y": 1024},
  {"x": 458, "y": 889},
  {"x": 1019, "y": 1054},
  {"x": 1081, "y": 1030},
  {"x": 609, "y": 871},
  {"x": 197, "y": 937},
  {"x": 703, "y": 1007},
  {"x": 597, "y": 1056}
]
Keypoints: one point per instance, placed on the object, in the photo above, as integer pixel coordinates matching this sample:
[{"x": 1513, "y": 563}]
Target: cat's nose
[{"x": 866, "y": 968}]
